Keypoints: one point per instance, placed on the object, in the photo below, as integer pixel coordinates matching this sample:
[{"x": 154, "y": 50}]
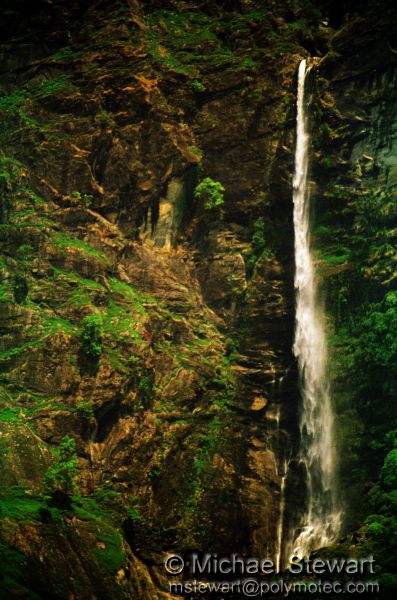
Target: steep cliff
[
  {"x": 150, "y": 326},
  {"x": 146, "y": 299}
]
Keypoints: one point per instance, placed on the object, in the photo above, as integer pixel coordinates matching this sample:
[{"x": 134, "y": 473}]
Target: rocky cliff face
[
  {"x": 181, "y": 393},
  {"x": 112, "y": 114}
]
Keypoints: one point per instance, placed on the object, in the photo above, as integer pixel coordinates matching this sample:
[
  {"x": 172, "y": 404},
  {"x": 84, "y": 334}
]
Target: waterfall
[
  {"x": 321, "y": 521},
  {"x": 280, "y": 525}
]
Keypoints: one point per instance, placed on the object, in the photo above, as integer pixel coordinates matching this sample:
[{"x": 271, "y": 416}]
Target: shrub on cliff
[
  {"x": 211, "y": 192},
  {"x": 91, "y": 336},
  {"x": 61, "y": 476},
  {"x": 258, "y": 247}
]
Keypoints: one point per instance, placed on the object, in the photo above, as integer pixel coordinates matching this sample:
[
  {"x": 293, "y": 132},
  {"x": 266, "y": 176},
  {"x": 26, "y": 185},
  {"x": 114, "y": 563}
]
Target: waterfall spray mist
[{"x": 321, "y": 520}]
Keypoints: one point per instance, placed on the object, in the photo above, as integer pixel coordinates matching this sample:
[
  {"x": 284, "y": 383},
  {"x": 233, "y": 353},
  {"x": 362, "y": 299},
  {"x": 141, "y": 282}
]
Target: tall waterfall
[{"x": 321, "y": 520}]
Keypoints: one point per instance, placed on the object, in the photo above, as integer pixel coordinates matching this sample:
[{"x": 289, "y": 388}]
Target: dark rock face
[{"x": 190, "y": 409}]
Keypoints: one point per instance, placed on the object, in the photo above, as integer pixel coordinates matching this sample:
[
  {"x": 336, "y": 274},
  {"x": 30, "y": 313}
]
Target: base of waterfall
[{"x": 317, "y": 533}]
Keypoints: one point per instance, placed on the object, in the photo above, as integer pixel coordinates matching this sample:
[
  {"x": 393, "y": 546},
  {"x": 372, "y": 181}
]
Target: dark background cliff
[{"x": 111, "y": 114}]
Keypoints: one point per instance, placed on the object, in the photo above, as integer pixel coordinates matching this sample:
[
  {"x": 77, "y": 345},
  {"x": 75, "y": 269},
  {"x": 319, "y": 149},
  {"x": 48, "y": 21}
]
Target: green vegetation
[
  {"x": 63, "y": 240},
  {"x": 19, "y": 504},
  {"x": 189, "y": 43},
  {"x": 86, "y": 409},
  {"x": 19, "y": 403},
  {"x": 209, "y": 444},
  {"x": 6, "y": 287},
  {"x": 76, "y": 290},
  {"x": 92, "y": 336},
  {"x": 62, "y": 474},
  {"x": 115, "y": 305},
  {"x": 195, "y": 151},
  {"x": 375, "y": 359},
  {"x": 10, "y": 171},
  {"x": 86, "y": 199},
  {"x": 211, "y": 192},
  {"x": 25, "y": 254},
  {"x": 105, "y": 119},
  {"x": 128, "y": 293},
  {"x": 210, "y": 441},
  {"x": 133, "y": 513},
  {"x": 379, "y": 533},
  {"x": 65, "y": 54},
  {"x": 20, "y": 100},
  {"x": 12, "y": 102},
  {"x": 364, "y": 232},
  {"x": 197, "y": 86},
  {"x": 48, "y": 87},
  {"x": 13, "y": 566},
  {"x": 11, "y": 176},
  {"x": 145, "y": 387},
  {"x": 4, "y": 449},
  {"x": 388, "y": 474},
  {"x": 182, "y": 30},
  {"x": 110, "y": 552},
  {"x": 7, "y": 354},
  {"x": 359, "y": 257},
  {"x": 328, "y": 162},
  {"x": 103, "y": 511},
  {"x": 325, "y": 132},
  {"x": 10, "y": 414},
  {"x": 259, "y": 247},
  {"x": 17, "y": 105},
  {"x": 258, "y": 241}
]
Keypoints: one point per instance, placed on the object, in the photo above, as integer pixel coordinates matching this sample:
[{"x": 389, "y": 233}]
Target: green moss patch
[
  {"x": 63, "y": 240},
  {"x": 109, "y": 548},
  {"x": 185, "y": 42},
  {"x": 19, "y": 504},
  {"x": 13, "y": 101}
]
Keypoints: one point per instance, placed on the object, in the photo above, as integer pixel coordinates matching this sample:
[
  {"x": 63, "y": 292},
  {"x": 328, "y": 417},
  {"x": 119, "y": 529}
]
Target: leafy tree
[
  {"x": 212, "y": 193},
  {"x": 61, "y": 476},
  {"x": 389, "y": 471},
  {"x": 258, "y": 246},
  {"x": 375, "y": 358}
]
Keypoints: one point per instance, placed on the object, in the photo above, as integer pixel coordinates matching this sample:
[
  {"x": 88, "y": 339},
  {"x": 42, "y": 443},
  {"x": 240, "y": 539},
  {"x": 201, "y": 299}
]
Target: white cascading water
[
  {"x": 321, "y": 521},
  {"x": 280, "y": 525}
]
